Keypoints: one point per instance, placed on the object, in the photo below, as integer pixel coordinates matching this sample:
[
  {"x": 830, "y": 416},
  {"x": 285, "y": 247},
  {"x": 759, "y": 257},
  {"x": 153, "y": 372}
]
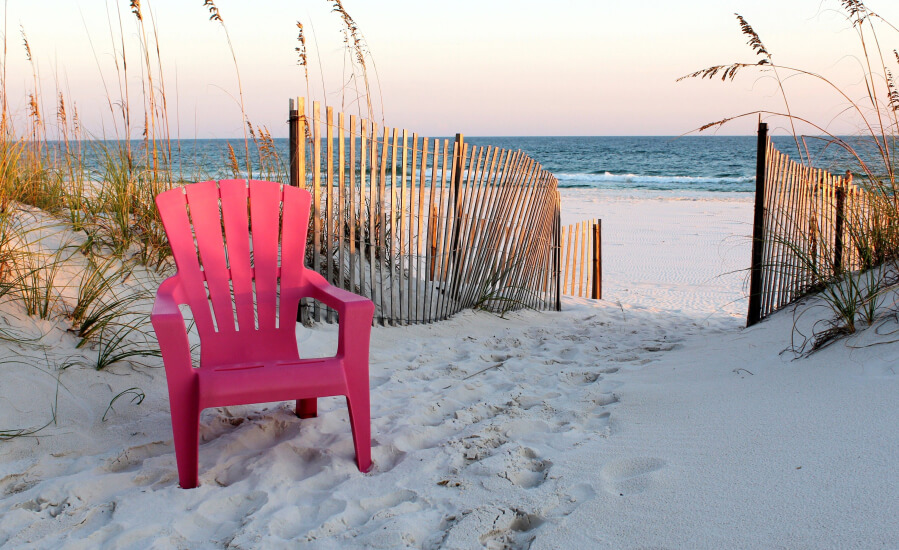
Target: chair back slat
[
  {"x": 237, "y": 236},
  {"x": 295, "y": 226},
  {"x": 172, "y": 207},
  {"x": 205, "y": 215},
  {"x": 265, "y": 209}
]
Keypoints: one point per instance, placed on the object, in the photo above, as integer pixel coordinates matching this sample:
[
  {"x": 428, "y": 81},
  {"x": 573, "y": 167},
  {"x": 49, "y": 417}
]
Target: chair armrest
[
  {"x": 171, "y": 332},
  {"x": 336, "y": 298},
  {"x": 168, "y": 298},
  {"x": 356, "y": 313}
]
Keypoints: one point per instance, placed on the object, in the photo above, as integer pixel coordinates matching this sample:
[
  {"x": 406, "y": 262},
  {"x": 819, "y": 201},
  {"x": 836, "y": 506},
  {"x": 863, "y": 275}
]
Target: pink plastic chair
[{"x": 244, "y": 302}]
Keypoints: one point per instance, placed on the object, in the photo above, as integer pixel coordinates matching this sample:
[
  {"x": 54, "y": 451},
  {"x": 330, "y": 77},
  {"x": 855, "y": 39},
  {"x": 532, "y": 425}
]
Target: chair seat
[{"x": 244, "y": 383}]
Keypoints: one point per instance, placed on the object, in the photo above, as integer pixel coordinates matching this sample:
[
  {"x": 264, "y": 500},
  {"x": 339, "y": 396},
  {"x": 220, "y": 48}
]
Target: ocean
[
  {"x": 657, "y": 163},
  {"x": 718, "y": 164}
]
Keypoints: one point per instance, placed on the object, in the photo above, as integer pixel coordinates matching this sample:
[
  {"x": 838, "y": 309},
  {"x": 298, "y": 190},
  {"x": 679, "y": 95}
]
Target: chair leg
[
  {"x": 186, "y": 429},
  {"x": 307, "y": 408},
  {"x": 360, "y": 419}
]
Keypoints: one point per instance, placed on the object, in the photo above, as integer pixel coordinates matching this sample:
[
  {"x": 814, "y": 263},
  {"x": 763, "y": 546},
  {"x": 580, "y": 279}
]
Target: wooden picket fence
[
  {"x": 582, "y": 259},
  {"x": 424, "y": 227},
  {"x": 806, "y": 220}
]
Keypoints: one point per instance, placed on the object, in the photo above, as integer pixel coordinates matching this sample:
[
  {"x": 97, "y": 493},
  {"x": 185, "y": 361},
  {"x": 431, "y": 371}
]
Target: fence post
[
  {"x": 293, "y": 125},
  {"x": 758, "y": 230},
  {"x": 838, "y": 238},
  {"x": 597, "y": 260}
]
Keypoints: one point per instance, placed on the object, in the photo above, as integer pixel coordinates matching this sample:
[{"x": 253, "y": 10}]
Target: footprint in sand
[
  {"x": 565, "y": 501},
  {"x": 599, "y": 423},
  {"x": 386, "y": 457},
  {"x": 16, "y": 483},
  {"x": 373, "y": 516},
  {"x": 525, "y": 469},
  {"x": 384, "y": 506},
  {"x": 489, "y": 527},
  {"x": 478, "y": 446},
  {"x": 628, "y": 476},
  {"x": 595, "y": 416},
  {"x": 580, "y": 377},
  {"x": 216, "y": 516},
  {"x": 605, "y": 399},
  {"x": 48, "y": 506},
  {"x": 135, "y": 456}
]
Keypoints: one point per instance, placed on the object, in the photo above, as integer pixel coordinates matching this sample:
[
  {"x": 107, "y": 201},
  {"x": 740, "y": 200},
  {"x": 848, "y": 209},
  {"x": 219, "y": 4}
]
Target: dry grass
[
  {"x": 361, "y": 55},
  {"x": 101, "y": 187},
  {"x": 101, "y": 191}
]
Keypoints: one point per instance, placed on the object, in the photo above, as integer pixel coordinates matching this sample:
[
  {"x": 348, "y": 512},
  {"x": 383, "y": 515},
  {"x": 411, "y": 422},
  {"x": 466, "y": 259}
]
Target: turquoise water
[
  {"x": 694, "y": 163},
  {"x": 722, "y": 164}
]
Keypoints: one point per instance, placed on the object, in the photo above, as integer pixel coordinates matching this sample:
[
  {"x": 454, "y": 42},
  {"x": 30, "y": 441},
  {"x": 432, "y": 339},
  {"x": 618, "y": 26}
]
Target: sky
[{"x": 494, "y": 68}]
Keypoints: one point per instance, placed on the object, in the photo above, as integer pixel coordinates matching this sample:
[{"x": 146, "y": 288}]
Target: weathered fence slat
[
  {"x": 566, "y": 238},
  {"x": 433, "y": 233},
  {"x": 341, "y": 197},
  {"x": 351, "y": 208},
  {"x": 316, "y": 194},
  {"x": 374, "y": 212},
  {"x": 446, "y": 219},
  {"x": 329, "y": 201}
]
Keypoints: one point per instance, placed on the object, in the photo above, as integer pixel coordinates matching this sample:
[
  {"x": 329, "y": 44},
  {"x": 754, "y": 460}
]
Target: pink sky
[{"x": 497, "y": 68}]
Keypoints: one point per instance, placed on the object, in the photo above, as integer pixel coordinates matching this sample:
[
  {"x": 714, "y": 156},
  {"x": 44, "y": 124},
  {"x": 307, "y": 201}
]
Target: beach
[
  {"x": 467, "y": 176},
  {"x": 684, "y": 252},
  {"x": 649, "y": 419}
]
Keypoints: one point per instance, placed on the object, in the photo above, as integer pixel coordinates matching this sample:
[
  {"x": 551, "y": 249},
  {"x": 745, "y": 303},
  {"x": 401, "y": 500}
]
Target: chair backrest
[{"x": 239, "y": 248}]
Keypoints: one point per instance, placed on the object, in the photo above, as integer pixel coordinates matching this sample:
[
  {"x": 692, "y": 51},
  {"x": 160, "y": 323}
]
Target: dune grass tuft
[{"x": 853, "y": 292}]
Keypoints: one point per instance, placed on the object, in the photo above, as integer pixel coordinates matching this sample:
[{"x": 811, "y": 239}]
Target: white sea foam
[{"x": 569, "y": 179}]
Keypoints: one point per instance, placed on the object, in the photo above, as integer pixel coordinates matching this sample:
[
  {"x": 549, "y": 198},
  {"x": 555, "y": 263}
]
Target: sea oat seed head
[
  {"x": 61, "y": 111},
  {"x": 25, "y": 42},
  {"x": 301, "y": 49},
  {"x": 135, "y": 9},
  {"x": 33, "y": 108},
  {"x": 754, "y": 41},
  {"x": 232, "y": 162},
  {"x": 856, "y": 10},
  {"x": 352, "y": 29},
  {"x": 213, "y": 11},
  {"x": 893, "y": 93}
]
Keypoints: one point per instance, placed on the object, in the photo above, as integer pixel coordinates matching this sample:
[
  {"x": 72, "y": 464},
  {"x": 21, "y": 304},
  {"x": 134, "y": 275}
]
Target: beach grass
[
  {"x": 852, "y": 294},
  {"x": 98, "y": 191},
  {"x": 98, "y": 188}
]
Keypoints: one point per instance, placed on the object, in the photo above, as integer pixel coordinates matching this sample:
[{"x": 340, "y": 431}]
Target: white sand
[
  {"x": 687, "y": 254},
  {"x": 649, "y": 420}
]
